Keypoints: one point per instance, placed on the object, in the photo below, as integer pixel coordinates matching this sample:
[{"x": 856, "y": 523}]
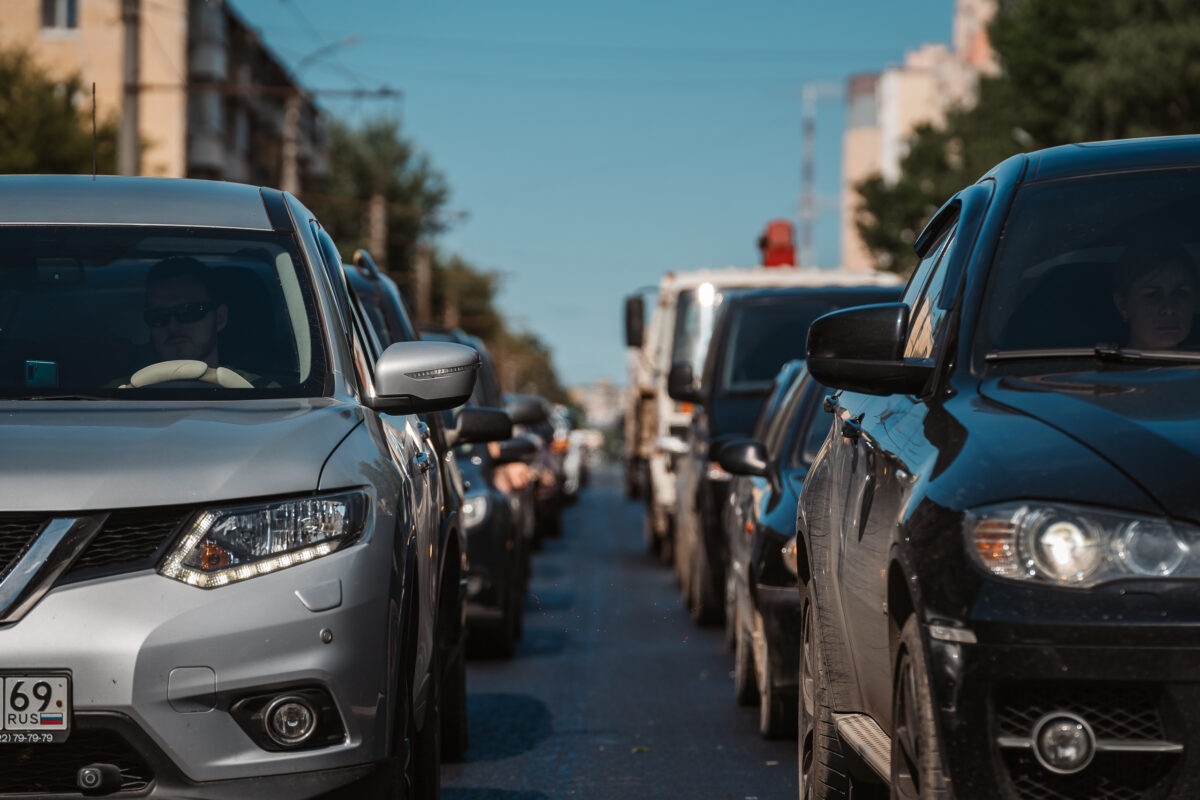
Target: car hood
[
  {"x": 90, "y": 455},
  {"x": 1146, "y": 422}
]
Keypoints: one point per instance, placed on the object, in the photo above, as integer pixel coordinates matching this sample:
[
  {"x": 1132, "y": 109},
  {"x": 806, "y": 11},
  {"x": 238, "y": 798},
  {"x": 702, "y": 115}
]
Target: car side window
[{"x": 926, "y": 312}]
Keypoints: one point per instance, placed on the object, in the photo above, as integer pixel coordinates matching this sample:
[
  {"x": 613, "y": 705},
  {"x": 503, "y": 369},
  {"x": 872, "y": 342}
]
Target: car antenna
[{"x": 93, "y": 130}]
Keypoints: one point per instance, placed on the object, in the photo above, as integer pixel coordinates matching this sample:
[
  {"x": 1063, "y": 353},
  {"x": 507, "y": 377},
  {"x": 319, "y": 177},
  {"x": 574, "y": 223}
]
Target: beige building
[
  {"x": 212, "y": 99},
  {"x": 884, "y": 108}
]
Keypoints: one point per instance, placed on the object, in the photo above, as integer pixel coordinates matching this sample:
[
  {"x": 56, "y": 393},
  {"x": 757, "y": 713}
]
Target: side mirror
[
  {"x": 681, "y": 383},
  {"x": 518, "y": 448},
  {"x": 527, "y": 410},
  {"x": 745, "y": 457},
  {"x": 413, "y": 377},
  {"x": 635, "y": 320},
  {"x": 479, "y": 424},
  {"x": 861, "y": 349}
]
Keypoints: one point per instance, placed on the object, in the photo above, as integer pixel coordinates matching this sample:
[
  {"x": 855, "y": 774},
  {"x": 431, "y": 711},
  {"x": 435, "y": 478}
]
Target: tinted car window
[
  {"x": 762, "y": 336},
  {"x": 929, "y": 313},
  {"x": 1079, "y": 257},
  {"x": 85, "y": 308}
]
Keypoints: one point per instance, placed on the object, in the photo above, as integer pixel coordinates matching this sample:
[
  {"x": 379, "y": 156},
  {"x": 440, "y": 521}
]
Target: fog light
[
  {"x": 290, "y": 720},
  {"x": 1063, "y": 743}
]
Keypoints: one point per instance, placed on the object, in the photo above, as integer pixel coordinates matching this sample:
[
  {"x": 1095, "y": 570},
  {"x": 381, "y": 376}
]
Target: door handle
[
  {"x": 852, "y": 427},
  {"x": 422, "y": 461}
]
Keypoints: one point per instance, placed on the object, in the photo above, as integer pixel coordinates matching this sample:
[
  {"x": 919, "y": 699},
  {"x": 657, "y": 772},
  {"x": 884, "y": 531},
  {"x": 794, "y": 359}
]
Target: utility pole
[
  {"x": 377, "y": 229},
  {"x": 128, "y": 146},
  {"x": 423, "y": 269},
  {"x": 811, "y": 94},
  {"x": 290, "y": 179}
]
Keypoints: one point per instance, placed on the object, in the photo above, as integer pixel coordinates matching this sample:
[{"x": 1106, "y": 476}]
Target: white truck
[{"x": 679, "y": 330}]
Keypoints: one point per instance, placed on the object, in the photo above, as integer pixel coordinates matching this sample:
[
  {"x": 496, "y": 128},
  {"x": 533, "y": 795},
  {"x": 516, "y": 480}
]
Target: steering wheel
[{"x": 186, "y": 372}]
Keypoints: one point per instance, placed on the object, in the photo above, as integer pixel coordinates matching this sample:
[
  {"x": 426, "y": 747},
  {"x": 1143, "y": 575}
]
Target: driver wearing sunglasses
[{"x": 183, "y": 312}]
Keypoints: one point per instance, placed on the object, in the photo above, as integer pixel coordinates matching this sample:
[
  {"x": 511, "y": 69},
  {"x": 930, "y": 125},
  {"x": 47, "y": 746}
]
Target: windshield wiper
[
  {"x": 1101, "y": 352},
  {"x": 61, "y": 397}
]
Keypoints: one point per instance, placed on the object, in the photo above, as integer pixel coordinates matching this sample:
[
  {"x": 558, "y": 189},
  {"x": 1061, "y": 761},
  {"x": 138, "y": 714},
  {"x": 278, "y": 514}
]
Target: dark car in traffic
[
  {"x": 999, "y": 559},
  {"x": 756, "y": 332},
  {"x": 763, "y": 608}
]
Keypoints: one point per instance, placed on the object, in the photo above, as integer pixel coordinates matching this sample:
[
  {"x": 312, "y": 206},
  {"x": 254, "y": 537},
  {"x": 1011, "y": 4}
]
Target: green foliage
[
  {"x": 1071, "y": 71},
  {"x": 373, "y": 159},
  {"x": 42, "y": 127}
]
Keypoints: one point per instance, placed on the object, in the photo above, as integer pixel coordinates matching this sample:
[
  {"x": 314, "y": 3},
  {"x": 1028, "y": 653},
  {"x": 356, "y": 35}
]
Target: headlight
[
  {"x": 226, "y": 545},
  {"x": 1078, "y": 546},
  {"x": 475, "y": 509}
]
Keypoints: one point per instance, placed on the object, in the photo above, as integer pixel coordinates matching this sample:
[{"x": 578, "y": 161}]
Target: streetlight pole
[{"x": 128, "y": 146}]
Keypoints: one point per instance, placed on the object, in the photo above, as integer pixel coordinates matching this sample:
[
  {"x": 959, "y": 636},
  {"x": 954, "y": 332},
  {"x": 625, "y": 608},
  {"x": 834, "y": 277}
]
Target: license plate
[{"x": 34, "y": 708}]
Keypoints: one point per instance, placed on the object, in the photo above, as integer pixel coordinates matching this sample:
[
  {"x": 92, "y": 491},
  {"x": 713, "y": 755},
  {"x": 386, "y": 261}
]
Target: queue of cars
[
  {"x": 969, "y": 511},
  {"x": 236, "y": 547}
]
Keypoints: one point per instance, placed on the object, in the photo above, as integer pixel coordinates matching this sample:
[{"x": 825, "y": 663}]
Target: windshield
[
  {"x": 99, "y": 311},
  {"x": 1096, "y": 264}
]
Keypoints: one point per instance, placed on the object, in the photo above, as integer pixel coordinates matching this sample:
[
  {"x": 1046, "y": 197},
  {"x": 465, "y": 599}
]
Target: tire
[
  {"x": 422, "y": 765},
  {"x": 777, "y": 711},
  {"x": 730, "y": 612},
  {"x": 745, "y": 690},
  {"x": 705, "y": 604},
  {"x": 454, "y": 708},
  {"x": 916, "y": 752},
  {"x": 823, "y": 769}
]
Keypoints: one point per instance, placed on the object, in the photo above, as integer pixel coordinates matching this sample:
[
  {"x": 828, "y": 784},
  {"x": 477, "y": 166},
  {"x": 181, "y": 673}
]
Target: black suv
[
  {"x": 1001, "y": 541},
  {"x": 756, "y": 332}
]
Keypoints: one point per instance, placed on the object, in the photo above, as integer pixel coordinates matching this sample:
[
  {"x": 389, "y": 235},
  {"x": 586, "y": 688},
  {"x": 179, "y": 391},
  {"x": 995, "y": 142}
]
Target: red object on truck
[{"x": 777, "y": 244}]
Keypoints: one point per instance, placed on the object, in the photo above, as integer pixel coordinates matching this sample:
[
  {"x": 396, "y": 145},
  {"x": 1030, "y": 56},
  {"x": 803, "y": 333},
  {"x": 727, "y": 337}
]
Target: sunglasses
[{"x": 184, "y": 313}]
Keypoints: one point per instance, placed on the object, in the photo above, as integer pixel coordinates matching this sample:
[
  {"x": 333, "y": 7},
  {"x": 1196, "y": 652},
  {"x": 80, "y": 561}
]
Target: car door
[{"x": 864, "y": 531}]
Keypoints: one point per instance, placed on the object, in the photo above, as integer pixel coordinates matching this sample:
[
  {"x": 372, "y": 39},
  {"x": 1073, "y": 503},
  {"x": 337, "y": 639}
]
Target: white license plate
[{"x": 34, "y": 708}]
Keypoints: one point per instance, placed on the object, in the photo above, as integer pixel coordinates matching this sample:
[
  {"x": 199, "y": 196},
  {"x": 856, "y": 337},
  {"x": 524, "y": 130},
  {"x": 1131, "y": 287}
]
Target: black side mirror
[
  {"x": 681, "y": 383},
  {"x": 527, "y": 410},
  {"x": 745, "y": 457},
  {"x": 480, "y": 424},
  {"x": 635, "y": 320},
  {"x": 861, "y": 349},
  {"x": 518, "y": 448}
]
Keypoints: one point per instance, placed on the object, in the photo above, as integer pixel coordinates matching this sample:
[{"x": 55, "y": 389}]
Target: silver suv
[{"x": 221, "y": 573}]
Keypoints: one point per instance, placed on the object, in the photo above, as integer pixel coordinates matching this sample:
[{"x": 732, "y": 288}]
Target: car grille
[
  {"x": 1115, "y": 712},
  {"x": 47, "y": 768},
  {"x": 17, "y": 532},
  {"x": 130, "y": 539}
]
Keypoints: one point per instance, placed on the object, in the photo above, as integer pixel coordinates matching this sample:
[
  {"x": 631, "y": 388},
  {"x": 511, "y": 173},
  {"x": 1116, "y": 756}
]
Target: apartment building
[
  {"x": 213, "y": 101},
  {"x": 884, "y": 108}
]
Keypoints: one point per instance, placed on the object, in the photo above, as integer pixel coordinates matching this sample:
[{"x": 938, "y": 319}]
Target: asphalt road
[{"x": 614, "y": 692}]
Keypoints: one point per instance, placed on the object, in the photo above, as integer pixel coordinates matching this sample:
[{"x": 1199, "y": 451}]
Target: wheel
[
  {"x": 823, "y": 770},
  {"x": 650, "y": 536},
  {"x": 776, "y": 711},
  {"x": 705, "y": 605},
  {"x": 454, "y": 708},
  {"x": 916, "y": 754},
  {"x": 730, "y": 611},
  {"x": 745, "y": 690},
  {"x": 422, "y": 764}
]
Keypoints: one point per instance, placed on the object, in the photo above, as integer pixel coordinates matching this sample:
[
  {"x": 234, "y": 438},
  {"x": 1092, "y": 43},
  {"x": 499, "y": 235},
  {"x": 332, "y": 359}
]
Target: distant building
[
  {"x": 601, "y": 402},
  {"x": 213, "y": 99},
  {"x": 884, "y": 108}
]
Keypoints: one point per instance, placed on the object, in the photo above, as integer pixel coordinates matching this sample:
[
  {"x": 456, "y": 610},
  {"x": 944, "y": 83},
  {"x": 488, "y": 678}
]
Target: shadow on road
[
  {"x": 541, "y": 642},
  {"x": 503, "y": 726},
  {"x": 491, "y": 794},
  {"x": 549, "y": 599}
]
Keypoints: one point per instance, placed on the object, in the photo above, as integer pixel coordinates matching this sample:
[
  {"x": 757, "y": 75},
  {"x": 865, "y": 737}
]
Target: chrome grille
[{"x": 17, "y": 531}]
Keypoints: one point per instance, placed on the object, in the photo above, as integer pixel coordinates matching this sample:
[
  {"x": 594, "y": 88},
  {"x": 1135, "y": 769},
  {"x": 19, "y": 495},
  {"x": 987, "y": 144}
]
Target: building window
[{"x": 60, "y": 14}]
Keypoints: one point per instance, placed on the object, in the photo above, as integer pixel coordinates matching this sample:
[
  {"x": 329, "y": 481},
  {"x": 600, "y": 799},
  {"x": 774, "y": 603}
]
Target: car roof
[
  {"x": 1087, "y": 158},
  {"x": 773, "y": 276},
  {"x": 113, "y": 200}
]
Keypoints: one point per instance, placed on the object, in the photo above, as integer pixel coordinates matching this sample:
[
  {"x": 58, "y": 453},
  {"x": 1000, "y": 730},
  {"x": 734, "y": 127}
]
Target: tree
[
  {"x": 41, "y": 126},
  {"x": 1069, "y": 72},
  {"x": 377, "y": 160}
]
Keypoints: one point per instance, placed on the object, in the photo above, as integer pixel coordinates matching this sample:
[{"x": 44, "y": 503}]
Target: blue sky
[{"x": 592, "y": 146}]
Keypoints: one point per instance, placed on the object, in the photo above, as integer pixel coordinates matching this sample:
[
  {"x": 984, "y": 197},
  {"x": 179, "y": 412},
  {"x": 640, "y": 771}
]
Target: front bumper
[
  {"x": 135, "y": 644},
  {"x": 1138, "y": 700}
]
